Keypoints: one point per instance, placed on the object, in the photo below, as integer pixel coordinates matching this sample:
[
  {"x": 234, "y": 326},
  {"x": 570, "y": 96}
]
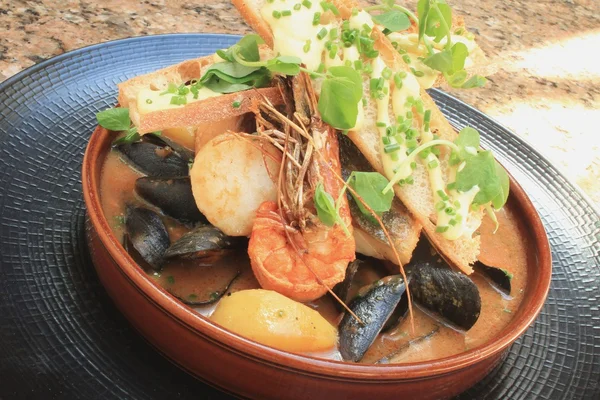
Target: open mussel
[
  {"x": 373, "y": 306},
  {"x": 148, "y": 235},
  {"x": 498, "y": 277},
  {"x": 447, "y": 293},
  {"x": 172, "y": 195},
  {"x": 154, "y": 160},
  {"x": 342, "y": 289},
  {"x": 203, "y": 241},
  {"x": 164, "y": 141}
]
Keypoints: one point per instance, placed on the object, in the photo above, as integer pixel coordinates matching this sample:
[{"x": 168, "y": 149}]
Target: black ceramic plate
[{"x": 61, "y": 336}]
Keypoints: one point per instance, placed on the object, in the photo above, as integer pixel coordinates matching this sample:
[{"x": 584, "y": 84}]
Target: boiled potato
[
  {"x": 230, "y": 181},
  {"x": 272, "y": 319}
]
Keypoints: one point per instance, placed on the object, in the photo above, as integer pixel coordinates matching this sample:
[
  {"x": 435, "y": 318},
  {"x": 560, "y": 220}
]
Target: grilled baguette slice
[
  {"x": 193, "y": 114},
  {"x": 417, "y": 198}
]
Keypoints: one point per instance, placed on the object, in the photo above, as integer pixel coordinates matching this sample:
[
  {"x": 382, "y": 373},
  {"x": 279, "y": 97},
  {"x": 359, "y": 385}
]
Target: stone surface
[{"x": 547, "y": 87}]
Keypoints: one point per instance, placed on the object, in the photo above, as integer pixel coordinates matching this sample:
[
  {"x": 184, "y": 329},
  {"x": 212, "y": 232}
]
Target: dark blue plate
[{"x": 61, "y": 336}]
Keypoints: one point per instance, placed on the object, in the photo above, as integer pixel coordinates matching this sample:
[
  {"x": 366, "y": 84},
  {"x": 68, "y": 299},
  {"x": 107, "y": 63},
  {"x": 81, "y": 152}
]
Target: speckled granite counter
[{"x": 547, "y": 87}]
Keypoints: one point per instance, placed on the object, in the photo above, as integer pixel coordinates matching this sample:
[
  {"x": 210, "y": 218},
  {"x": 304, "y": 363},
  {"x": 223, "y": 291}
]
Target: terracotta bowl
[{"x": 245, "y": 368}]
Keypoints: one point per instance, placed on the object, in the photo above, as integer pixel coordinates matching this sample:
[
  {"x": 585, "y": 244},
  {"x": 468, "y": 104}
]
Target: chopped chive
[
  {"x": 390, "y": 148},
  {"x": 316, "y": 19},
  {"x": 380, "y": 124},
  {"x": 413, "y": 165},
  {"x": 506, "y": 310},
  {"x": 306, "y": 47},
  {"x": 433, "y": 164},
  {"x": 322, "y": 33},
  {"x": 409, "y": 114},
  {"x": 406, "y": 58},
  {"x": 276, "y": 14},
  {"x": 456, "y": 203},
  {"x": 348, "y": 63},
  {"x": 307, "y": 4},
  {"x": 419, "y": 106},
  {"x": 442, "y": 229},
  {"x": 385, "y": 140},
  {"x": 321, "y": 67},
  {"x": 286, "y": 13},
  {"x": 333, "y": 34},
  {"x": 178, "y": 100},
  {"x": 386, "y": 73},
  {"x": 417, "y": 73},
  {"x": 458, "y": 218},
  {"x": 452, "y": 222},
  {"x": 391, "y": 130},
  {"x": 394, "y": 156},
  {"x": 236, "y": 104},
  {"x": 440, "y": 205},
  {"x": 354, "y": 12},
  {"x": 358, "y": 65},
  {"x": 449, "y": 210},
  {"x": 333, "y": 51},
  {"x": 397, "y": 81},
  {"x": 402, "y": 74},
  {"x": 297, "y": 6},
  {"x": 427, "y": 116},
  {"x": 451, "y": 186},
  {"x": 442, "y": 195},
  {"x": 409, "y": 181},
  {"x": 148, "y": 101}
]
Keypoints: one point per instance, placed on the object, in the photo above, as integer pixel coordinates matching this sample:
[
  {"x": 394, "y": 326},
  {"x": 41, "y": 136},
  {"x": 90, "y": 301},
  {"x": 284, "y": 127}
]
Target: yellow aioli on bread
[
  {"x": 149, "y": 100},
  {"x": 295, "y": 33}
]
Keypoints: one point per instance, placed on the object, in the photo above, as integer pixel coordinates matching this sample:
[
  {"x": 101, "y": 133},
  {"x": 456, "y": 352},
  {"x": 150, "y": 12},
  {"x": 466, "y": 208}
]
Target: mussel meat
[
  {"x": 203, "y": 241},
  {"x": 450, "y": 294},
  {"x": 147, "y": 234},
  {"x": 164, "y": 141},
  {"x": 373, "y": 306},
  {"x": 172, "y": 195}
]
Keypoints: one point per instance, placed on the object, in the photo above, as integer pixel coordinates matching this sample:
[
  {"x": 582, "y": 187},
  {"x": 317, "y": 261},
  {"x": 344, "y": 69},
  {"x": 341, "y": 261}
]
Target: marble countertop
[{"x": 547, "y": 88}]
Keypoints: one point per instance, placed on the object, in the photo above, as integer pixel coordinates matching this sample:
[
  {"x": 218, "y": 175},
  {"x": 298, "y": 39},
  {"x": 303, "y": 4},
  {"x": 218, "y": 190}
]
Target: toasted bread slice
[
  {"x": 193, "y": 114},
  {"x": 418, "y": 198}
]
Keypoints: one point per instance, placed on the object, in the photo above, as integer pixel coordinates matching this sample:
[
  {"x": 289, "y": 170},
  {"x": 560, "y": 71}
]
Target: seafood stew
[{"x": 212, "y": 271}]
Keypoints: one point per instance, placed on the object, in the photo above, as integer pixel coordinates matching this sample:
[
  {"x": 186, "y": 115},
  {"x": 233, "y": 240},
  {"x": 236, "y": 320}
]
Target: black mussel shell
[
  {"x": 172, "y": 195},
  {"x": 202, "y": 241},
  {"x": 342, "y": 289},
  {"x": 373, "y": 306},
  {"x": 164, "y": 141},
  {"x": 499, "y": 277},
  {"x": 400, "y": 312},
  {"x": 147, "y": 234},
  {"x": 451, "y": 295},
  {"x": 154, "y": 160}
]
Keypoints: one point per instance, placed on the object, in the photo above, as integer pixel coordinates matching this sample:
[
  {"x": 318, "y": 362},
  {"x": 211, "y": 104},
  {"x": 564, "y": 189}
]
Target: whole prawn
[{"x": 291, "y": 250}]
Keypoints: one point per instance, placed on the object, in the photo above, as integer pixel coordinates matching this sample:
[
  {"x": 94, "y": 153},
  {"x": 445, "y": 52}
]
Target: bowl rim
[{"x": 304, "y": 364}]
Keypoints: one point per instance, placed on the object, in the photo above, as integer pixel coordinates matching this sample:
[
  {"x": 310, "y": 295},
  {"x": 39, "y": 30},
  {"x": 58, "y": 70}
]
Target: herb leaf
[
  {"x": 474, "y": 81},
  {"x": 423, "y": 13},
  {"x": 248, "y": 47},
  {"x": 434, "y": 26},
  {"x": 325, "y": 206},
  {"x": 393, "y": 20},
  {"x": 131, "y": 136},
  {"x": 114, "y": 119},
  {"x": 441, "y": 61},
  {"x": 340, "y": 94},
  {"x": 468, "y": 142},
  {"x": 286, "y": 65},
  {"x": 369, "y": 186},
  {"x": 482, "y": 170},
  {"x": 459, "y": 55}
]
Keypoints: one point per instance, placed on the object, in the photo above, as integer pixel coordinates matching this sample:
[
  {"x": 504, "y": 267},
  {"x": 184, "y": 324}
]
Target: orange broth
[{"x": 507, "y": 249}]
